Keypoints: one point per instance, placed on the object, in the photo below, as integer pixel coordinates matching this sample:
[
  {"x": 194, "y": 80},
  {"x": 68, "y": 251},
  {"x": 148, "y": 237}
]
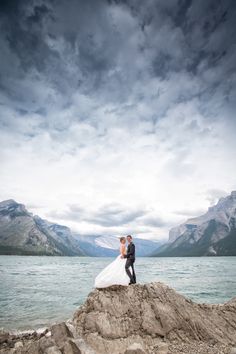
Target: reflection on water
[{"x": 36, "y": 291}]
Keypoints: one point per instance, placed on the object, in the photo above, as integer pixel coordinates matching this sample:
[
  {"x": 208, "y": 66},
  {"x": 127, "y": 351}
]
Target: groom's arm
[{"x": 130, "y": 251}]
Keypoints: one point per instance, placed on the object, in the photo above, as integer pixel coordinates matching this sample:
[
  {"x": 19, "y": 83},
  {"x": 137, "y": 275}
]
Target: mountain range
[
  {"x": 23, "y": 233},
  {"x": 210, "y": 234}
]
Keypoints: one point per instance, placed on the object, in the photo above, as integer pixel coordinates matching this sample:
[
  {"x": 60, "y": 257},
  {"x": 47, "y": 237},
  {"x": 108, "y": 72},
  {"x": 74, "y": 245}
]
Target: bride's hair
[{"x": 122, "y": 239}]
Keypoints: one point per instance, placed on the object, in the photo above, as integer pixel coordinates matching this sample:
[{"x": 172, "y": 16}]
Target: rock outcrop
[
  {"x": 152, "y": 315},
  {"x": 150, "y": 318}
]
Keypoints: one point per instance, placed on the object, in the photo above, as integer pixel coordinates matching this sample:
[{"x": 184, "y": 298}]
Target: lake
[{"x": 36, "y": 291}]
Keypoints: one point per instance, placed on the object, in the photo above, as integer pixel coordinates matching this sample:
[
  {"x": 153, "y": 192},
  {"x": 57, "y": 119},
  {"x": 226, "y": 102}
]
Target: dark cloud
[
  {"x": 92, "y": 85},
  {"x": 109, "y": 215},
  {"x": 113, "y": 215},
  {"x": 154, "y": 221},
  {"x": 90, "y": 47}
]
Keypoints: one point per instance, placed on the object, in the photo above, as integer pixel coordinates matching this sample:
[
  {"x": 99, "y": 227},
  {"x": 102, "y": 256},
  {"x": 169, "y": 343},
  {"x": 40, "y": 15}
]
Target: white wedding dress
[{"x": 113, "y": 274}]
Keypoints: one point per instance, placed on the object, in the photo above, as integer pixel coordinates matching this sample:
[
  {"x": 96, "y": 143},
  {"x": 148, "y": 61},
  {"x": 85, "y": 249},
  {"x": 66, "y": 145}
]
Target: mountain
[
  {"x": 23, "y": 233},
  {"x": 108, "y": 246},
  {"x": 213, "y": 233}
]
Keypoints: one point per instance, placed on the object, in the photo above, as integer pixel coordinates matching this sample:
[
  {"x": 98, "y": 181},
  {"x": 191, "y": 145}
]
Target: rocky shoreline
[{"x": 151, "y": 319}]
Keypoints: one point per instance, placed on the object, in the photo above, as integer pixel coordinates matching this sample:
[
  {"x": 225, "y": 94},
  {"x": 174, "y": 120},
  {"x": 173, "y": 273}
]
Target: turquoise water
[{"x": 36, "y": 291}]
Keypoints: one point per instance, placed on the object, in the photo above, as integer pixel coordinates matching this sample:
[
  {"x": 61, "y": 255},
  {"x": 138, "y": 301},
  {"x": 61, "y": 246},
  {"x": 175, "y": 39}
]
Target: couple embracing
[{"x": 121, "y": 270}]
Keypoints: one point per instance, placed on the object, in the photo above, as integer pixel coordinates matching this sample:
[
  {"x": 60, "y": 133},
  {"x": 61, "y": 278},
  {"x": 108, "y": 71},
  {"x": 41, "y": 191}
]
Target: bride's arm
[{"x": 122, "y": 250}]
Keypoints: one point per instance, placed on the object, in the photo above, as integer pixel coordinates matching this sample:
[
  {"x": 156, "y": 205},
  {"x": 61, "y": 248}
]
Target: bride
[{"x": 114, "y": 273}]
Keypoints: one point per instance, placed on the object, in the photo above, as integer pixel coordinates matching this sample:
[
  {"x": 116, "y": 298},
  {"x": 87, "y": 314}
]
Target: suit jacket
[{"x": 130, "y": 251}]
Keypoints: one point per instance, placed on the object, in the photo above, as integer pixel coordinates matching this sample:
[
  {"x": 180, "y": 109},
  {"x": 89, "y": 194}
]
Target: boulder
[
  {"x": 70, "y": 348},
  {"x": 30, "y": 348},
  {"x": 45, "y": 342},
  {"x": 53, "y": 350},
  {"x": 18, "y": 344},
  {"x": 3, "y": 337},
  {"x": 83, "y": 346},
  {"x": 60, "y": 333},
  {"x": 135, "y": 348}
]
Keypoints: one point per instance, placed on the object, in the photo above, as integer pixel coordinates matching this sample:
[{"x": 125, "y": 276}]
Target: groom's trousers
[{"x": 130, "y": 263}]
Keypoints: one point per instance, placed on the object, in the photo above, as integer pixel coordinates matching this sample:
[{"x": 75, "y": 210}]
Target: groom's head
[{"x": 129, "y": 238}]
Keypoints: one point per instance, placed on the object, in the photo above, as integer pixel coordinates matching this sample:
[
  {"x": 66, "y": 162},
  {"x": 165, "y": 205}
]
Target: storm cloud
[{"x": 117, "y": 115}]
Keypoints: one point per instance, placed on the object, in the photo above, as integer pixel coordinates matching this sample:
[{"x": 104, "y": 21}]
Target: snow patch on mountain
[{"x": 110, "y": 242}]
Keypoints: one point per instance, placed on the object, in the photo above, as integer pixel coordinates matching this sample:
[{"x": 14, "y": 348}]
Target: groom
[{"x": 130, "y": 255}]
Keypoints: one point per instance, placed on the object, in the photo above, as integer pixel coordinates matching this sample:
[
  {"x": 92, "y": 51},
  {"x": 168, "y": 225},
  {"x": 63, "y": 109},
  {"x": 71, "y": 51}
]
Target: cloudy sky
[{"x": 117, "y": 116}]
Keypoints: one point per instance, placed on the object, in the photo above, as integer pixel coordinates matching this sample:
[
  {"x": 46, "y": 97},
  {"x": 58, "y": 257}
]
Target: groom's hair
[{"x": 129, "y": 236}]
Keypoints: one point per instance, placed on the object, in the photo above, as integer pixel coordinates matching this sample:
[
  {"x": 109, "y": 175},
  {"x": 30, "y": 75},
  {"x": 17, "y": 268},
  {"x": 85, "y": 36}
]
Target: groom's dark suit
[{"x": 130, "y": 262}]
